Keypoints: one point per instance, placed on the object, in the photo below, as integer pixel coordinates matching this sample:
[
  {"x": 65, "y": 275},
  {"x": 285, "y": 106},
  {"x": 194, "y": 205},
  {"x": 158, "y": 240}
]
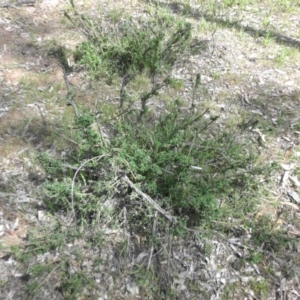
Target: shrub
[
  {"x": 177, "y": 156},
  {"x": 131, "y": 48}
]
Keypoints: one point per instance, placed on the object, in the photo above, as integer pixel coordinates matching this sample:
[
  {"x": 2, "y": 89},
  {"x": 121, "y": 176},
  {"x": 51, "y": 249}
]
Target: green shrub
[
  {"x": 172, "y": 160},
  {"x": 177, "y": 156},
  {"x": 133, "y": 47},
  {"x": 176, "y": 161}
]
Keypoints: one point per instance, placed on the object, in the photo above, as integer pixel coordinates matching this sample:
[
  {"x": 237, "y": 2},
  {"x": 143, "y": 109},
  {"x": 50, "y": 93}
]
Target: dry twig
[
  {"x": 152, "y": 242},
  {"x": 149, "y": 200}
]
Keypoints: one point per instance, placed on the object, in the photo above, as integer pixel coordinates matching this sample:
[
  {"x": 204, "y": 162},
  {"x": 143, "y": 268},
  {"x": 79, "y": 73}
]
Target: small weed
[
  {"x": 266, "y": 22},
  {"x": 286, "y": 5},
  {"x": 38, "y": 269},
  {"x": 61, "y": 54},
  {"x": 232, "y": 291},
  {"x": 256, "y": 258},
  {"x": 216, "y": 75},
  {"x": 167, "y": 154},
  {"x": 268, "y": 39},
  {"x": 203, "y": 25},
  {"x": 177, "y": 84},
  {"x": 283, "y": 56},
  {"x": 72, "y": 285},
  {"x": 47, "y": 244},
  {"x": 32, "y": 287},
  {"x": 260, "y": 287},
  {"x": 115, "y": 15}
]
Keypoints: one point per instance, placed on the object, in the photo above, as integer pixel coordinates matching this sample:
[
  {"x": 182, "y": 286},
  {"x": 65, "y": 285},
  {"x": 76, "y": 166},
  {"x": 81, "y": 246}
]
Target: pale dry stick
[
  {"x": 18, "y": 3},
  {"x": 10, "y": 194},
  {"x": 74, "y": 177},
  {"x": 42, "y": 115},
  {"x": 27, "y": 126},
  {"x": 153, "y": 234},
  {"x": 149, "y": 200},
  {"x": 192, "y": 145},
  {"x": 70, "y": 93},
  {"x": 169, "y": 253},
  {"x": 43, "y": 281},
  {"x": 70, "y": 167},
  {"x": 126, "y": 235},
  {"x": 64, "y": 137}
]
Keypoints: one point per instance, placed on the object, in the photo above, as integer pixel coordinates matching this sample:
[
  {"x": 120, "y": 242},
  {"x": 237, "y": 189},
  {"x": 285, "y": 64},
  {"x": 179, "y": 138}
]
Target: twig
[
  {"x": 70, "y": 94},
  {"x": 152, "y": 242},
  {"x": 27, "y": 126},
  {"x": 64, "y": 137},
  {"x": 42, "y": 115},
  {"x": 43, "y": 281},
  {"x": 149, "y": 200},
  {"x": 10, "y": 194},
  {"x": 169, "y": 253},
  {"x": 147, "y": 96},
  {"x": 71, "y": 167}
]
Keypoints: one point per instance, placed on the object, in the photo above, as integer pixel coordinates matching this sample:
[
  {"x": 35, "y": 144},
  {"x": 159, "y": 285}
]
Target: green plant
[
  {"x": 131, "y": 48},
  {"x": 268, "y": 39},
  {"x": 256, "y": 258},
  {"x": 266, "y": 237},
  {"x": 287, "y": 5},
  {"x": 266, "y": 22},
  {"x": 73, "y": 284},
  {"x": 51, "y": 165},
  {"x": 175, "y": 156},
  {"x": 260, "y": 287},
  {"x": 99, "y": 231}
]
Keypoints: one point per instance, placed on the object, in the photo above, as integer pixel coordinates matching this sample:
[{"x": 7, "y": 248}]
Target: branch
[{"x": 149, "y": 200}]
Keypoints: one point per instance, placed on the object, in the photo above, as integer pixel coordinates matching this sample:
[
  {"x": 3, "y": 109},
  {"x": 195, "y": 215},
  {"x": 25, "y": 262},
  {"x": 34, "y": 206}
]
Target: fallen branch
[
  {"x": 149, "y": 200},
  {"x": 10, "y": 194}
]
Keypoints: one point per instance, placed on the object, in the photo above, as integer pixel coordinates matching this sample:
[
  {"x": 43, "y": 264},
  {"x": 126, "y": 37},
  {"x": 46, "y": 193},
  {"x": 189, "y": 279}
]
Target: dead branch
[{"x": 149, "y": 200}]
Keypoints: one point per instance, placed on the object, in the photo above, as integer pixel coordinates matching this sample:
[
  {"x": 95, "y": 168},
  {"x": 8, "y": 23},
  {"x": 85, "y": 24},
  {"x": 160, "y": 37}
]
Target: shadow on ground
[
  {"x": 276, "y": 114},
  {"x": 177, "y": 7}
]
